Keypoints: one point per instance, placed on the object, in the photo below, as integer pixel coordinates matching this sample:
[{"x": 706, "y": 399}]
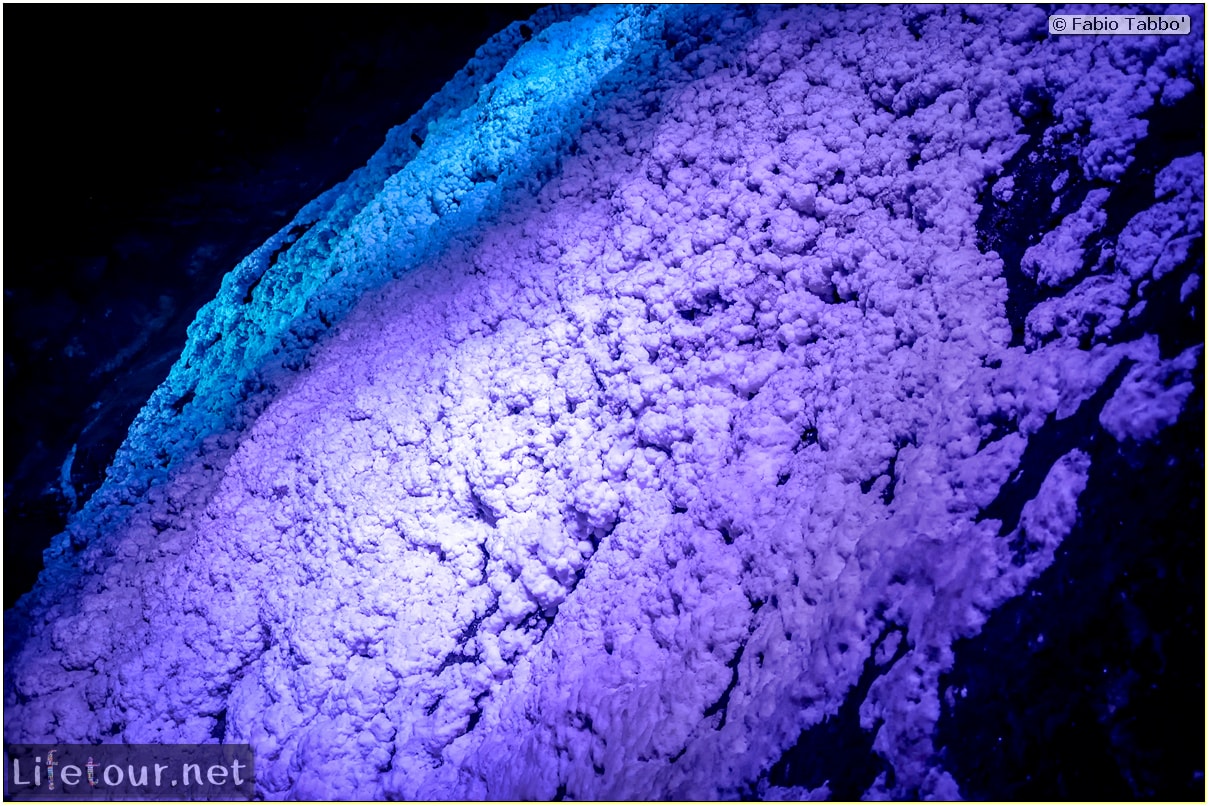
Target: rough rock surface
[{"x": 654, "y": 387}]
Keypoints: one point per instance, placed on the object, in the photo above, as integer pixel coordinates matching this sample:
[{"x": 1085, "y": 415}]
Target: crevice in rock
[
  {"x": 1052, "y": 441},
  {"x": 838, "y": 751},
  {"x": 721, "y": 704}
]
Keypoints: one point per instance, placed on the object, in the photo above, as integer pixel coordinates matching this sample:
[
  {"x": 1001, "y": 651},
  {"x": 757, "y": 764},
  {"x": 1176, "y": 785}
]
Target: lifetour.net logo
[{"x": 128, "y": 772}]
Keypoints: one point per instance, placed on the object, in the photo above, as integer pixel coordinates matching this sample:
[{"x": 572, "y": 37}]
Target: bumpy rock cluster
[{"x": 664, "y": 378}]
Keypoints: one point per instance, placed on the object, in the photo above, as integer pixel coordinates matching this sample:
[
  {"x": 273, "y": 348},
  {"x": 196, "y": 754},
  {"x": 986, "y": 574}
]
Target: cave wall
[{"x": 670, "y": 398}]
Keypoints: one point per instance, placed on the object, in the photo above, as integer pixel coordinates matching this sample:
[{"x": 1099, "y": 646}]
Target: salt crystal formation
[{"x": 663, "y": 382}]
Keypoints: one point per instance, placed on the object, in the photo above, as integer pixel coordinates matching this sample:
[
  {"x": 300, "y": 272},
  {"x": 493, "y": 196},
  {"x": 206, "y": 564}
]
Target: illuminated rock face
[{"x": 674, "y": 375}]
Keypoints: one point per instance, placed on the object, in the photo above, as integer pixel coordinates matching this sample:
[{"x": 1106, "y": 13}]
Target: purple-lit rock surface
[{"x": 667, "y": 379}]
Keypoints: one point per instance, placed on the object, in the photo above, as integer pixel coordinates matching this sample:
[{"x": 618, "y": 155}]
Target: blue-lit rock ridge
[{"x": 660, "y": 408}]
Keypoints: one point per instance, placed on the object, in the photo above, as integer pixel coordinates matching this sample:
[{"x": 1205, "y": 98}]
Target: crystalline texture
[{"x": 591, "y": 448}]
